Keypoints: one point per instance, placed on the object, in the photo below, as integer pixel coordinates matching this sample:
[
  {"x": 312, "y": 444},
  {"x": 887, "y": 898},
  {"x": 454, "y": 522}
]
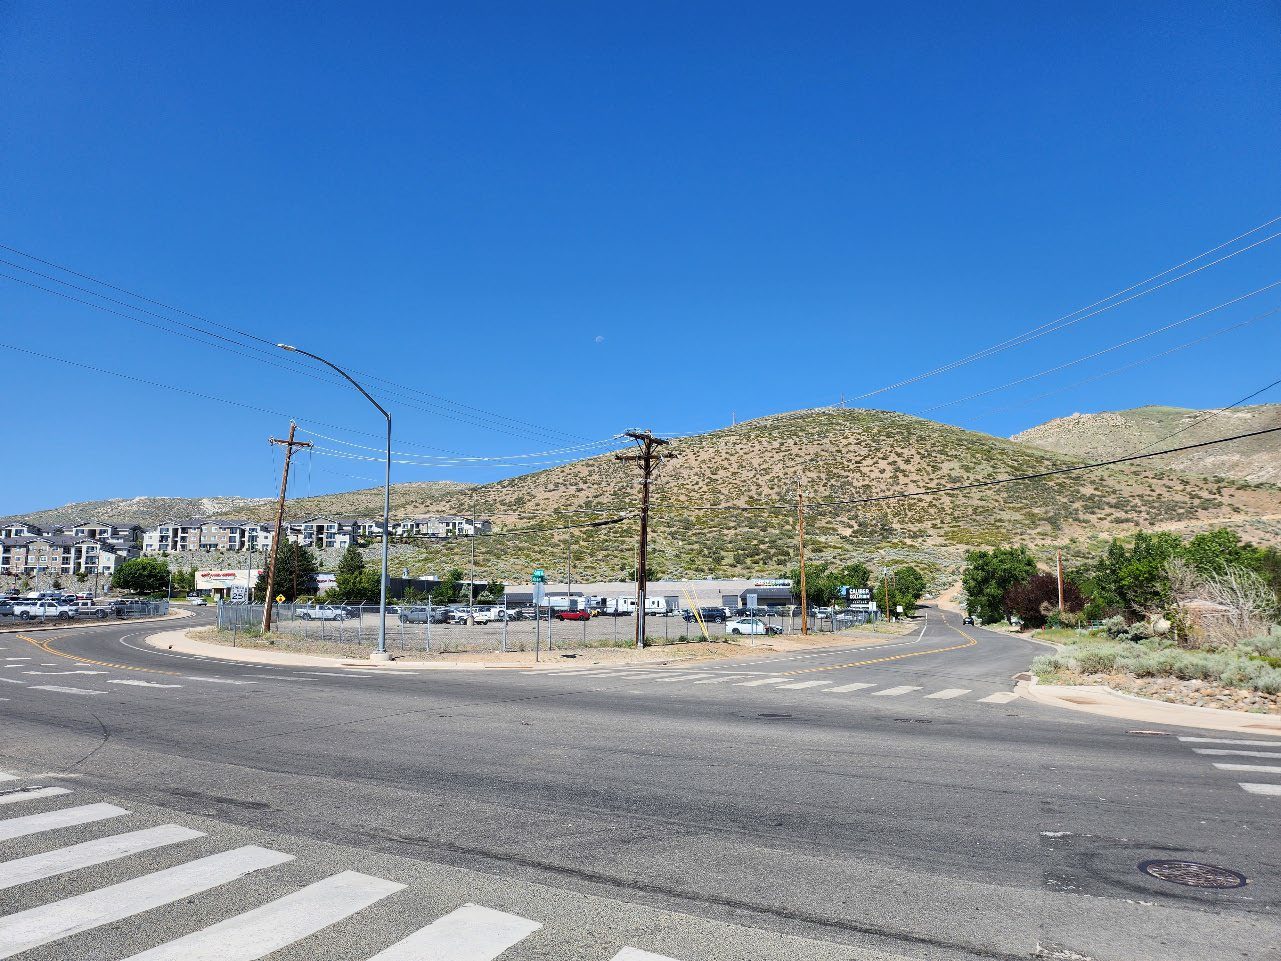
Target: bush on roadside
[{"x": 1154, "y": 657}]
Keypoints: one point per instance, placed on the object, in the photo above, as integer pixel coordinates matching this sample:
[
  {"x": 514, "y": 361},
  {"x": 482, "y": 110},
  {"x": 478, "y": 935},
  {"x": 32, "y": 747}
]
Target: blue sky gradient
[{"x": 588, "y": 217}]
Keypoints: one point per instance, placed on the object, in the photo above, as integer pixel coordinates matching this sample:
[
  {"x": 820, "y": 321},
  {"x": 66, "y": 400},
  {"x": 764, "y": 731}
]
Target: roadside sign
[
  {"x": 539, "y": 576},
  {"x": 239, "y": 594},
  {"x": 753, "y": 600},
  {"x": 404, "y": 572},
  {"x": 898, "y": 608},
  {"x": 280, "y": 599},
  {"x": 539, "y": 589}
]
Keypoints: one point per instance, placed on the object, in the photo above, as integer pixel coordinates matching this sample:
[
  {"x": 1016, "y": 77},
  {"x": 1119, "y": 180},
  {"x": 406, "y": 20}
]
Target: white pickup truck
[
  {"x": 321, "y": 612},
  {"x": 31, "y": 608}
]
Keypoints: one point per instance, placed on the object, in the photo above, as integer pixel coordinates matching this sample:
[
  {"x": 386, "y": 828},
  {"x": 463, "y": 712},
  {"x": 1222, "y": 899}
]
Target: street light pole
[{"x": 381, "y": 653}]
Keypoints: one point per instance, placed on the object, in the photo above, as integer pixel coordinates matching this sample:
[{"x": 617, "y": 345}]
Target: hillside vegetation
[
  {"x": 841, "y": 455},
  {"x": 146, "y": 511},
  {"x": 1117, "y": 433}
]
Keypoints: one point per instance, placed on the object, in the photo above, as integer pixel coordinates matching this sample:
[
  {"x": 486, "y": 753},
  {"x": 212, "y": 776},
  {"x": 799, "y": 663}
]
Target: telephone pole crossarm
[{"x": 648, "y": 459}]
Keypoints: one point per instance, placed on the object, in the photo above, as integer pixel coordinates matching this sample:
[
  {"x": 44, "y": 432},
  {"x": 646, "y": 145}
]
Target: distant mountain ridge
[
  {"x": 1112, "y": 434},
  {"x": 137, "y": 510}
]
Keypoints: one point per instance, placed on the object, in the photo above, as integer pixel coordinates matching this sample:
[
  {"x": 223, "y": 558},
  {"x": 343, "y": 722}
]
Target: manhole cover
[{"x": 1193, "y": 874}]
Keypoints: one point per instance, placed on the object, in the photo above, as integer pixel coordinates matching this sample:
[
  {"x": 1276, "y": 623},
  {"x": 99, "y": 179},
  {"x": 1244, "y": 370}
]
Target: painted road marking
[
  {"x": 278, "y": 924},
  {"x": 679, "y": 677},
  {"x": 143, "y": 683},
  {"x": 1001, "y": 697},
  {"x": 1228, "y": 740},
  {"x": 221, "y": 680},
  {"x": 895, "y": 691},
  {"x": 801, "y": 684},
  {"x": 6, "y": 776},
  {"x": 13, "y": 797},
  {"x": 51, "y": 820},
  {"x": 717, "y": 680},
  {"x": 1219, "y": 751},
  {"x": 631, "y": 954},
  {"x": 10, "y": 680},
  {"x": 948, "y": 693},
  {"x": 759, "y": 681},
  {"x": 37, "y": 867},
  {"x": 846, "y": 688},
  {"x": 48, "y": 673},
  {"x": 61, "y": 919},
  {"x": 1256, "y": 768},
  {"x": 80, "y": 659},
  {"x": 1272, "y": 789},
  {"x": 64, "y": 690},
  {"x": 471, "y": 933}
]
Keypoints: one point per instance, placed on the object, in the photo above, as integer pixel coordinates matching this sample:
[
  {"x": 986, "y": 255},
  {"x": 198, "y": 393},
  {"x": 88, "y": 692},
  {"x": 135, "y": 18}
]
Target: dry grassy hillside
[
  {"x": 1115, "y": 434},
  {"x": 139, "y": 510},
  {"x": 841, "y": 455}
]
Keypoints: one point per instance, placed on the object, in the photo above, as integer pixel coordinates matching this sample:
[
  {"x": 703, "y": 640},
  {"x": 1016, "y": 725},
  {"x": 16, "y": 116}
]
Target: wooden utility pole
[
  {"x": 647, "y": 459},
  {"x": 1060, "y": 576},
  {"x": 885, "y": 582},
  {"x": 800, "y": 537},
  {"x": 290, "y": 444}
]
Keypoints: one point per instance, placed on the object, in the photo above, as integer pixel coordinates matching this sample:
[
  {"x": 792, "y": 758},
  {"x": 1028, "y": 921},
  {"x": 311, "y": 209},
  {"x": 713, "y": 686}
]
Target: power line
[
  {"x": 608, "y": 522},
  {"x": 1209, "y": 416},
  {"x": 1099, "y": 353},
  {"x": 262, "y": 340},
  {"x": 975, "y": 484},
  {"x": 1069, "y": 319},
  {"x": 561, "y": 450}
]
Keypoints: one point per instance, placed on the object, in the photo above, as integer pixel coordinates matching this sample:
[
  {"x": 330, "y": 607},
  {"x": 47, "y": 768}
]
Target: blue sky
[{"x": 588, "y": 216}]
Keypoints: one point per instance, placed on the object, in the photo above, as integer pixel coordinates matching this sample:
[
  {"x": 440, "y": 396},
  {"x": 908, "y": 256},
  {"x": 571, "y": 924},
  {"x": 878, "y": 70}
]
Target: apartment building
[
  {"x": 439, "y": 526},
  {"x": 320, "y": 533},
  {"x": 123, "y": 537},
  {"x": 58, "y": 554},
  {"x": 20, "y": 529}
]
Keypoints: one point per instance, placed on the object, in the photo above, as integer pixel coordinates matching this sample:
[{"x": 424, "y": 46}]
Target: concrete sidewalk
[{"x": 1105, "y": 702}]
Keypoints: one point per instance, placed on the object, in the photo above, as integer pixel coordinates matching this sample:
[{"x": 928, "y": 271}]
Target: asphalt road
[{"x": 893, "y": 801}]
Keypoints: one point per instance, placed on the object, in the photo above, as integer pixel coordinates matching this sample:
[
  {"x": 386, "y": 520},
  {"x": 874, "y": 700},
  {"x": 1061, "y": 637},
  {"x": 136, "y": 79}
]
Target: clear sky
[{"x": 592, "y": 216}]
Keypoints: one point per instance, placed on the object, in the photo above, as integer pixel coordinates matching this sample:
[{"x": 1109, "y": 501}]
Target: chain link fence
[{"x": 441, "y": 630}]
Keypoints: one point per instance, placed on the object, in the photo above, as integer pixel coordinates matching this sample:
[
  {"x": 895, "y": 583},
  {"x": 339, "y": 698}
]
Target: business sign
[
  {"x": 325, "y": 582},
  {"x": 225, "y": 580},
  {"x": 773, "y": 582},
  {"x": 860, "y": 594}
]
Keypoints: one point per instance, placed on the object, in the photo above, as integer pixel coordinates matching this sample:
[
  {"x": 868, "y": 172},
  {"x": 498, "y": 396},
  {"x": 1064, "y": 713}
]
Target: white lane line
[
  {"x": 846, "y": 688},
  {"x": 1228, "y": 740},
  {"x": 1221, "y": 752},
  {"x": 335, "y": 673},
  {"x": 50, "y": 673},
  {"x": 280, "y": 923},
  {"x": 471, "y": 933},
  {"x": 802, "y": 684},
  {"x": 1272, "y": 789},
  {"x": 282, "y": 677},
  {"x": 716, "y": 680},
  {"x": 948, "y": 693},
  {"x": 633, "y": 954},
  {"x": 17, "y": 658},
  {"x": 52, "y": 820},
  {"x": 6, "y": 776},
  {"x": 679, "y": 677},
  {"x": 64, "y": 690},
  {"x": 134, "y": 683},
  {"x": 61, "y": 919},
  {"x": 10, "y": 680},
  {"x": 1256, "y": 768},
  {"x": 895, "y": 691},
  {"x": 13, "y": 797},
  {"x": 1000, "y": 697},
  {"x": 52, "y": 863},
  {"x": 222, "y": 680},
  {"x": 759, "y": 681}
]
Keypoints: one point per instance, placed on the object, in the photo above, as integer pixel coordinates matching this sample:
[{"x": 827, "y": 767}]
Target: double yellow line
[
  {"x": 969, "y": 642},
  {"x": 44, "y": 646}
]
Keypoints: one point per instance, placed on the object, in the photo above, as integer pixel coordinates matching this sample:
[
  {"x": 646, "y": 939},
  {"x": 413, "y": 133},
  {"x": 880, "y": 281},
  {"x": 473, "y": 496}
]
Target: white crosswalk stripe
[
  {"x": 1220, "y": 752},
  {"x": 846, "y": 688},
  {"x": 803, "y": 684},
  {"x": 87, "y": 854},
  {"x": 135, "y": 683},
  {"x": 895, "y": 691},
  {"x": 64, "y": 690},
  {"x": 948, "y": 693},
  {"x": 679, "y": 677},
  {"x": 5, "y": 776},
  {"x": 1271, "y": 789},
  {"x": 761, "y": 681},
  {"x": 1228, "y": 740},
  {"x": 268, "y": 928},
  {"x": 30, "y": 794},
  {"x": 471, "y": 933},
  {"x": 1000, "y": 697},
  {"x": 1256, "y": 768},
  {"x": 52, "y": 820},
  {"x": 51, "y": 922}
]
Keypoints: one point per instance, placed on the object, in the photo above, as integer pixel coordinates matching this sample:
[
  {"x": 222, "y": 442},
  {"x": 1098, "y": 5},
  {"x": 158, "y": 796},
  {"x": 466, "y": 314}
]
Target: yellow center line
[
  {"x": 44, "y": 646},
  {"x": 969, "y": 642}
]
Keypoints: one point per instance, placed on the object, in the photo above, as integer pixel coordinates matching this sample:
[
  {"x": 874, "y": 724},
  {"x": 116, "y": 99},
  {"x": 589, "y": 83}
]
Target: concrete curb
[
  {"x": 1104, "y": 702},
  {"x": 74, "y": 624}
]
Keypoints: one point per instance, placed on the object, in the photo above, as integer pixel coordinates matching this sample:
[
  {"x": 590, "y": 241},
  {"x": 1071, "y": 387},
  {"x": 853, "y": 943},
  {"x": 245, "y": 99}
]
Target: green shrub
[{"x": 1096, "y": 658}]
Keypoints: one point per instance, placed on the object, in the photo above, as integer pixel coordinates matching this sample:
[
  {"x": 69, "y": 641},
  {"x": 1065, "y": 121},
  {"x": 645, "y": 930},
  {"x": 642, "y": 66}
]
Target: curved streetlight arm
[{"x": 382, "y": 591}]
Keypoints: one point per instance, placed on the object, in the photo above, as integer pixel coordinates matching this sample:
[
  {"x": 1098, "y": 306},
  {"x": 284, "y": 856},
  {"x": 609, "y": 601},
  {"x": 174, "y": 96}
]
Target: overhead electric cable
[
  {"x": 1099, "y": 353},
  {"x": 1069, "y": 319},
  {"x": 1209, "y": 415},
  {"x": 560, "y": 450}
]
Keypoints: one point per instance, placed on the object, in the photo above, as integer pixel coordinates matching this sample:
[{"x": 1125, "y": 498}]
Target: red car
[{"x": 573, "y": 615}]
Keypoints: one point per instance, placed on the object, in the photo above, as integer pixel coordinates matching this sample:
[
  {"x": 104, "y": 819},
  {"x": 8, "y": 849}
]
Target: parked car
[
  {"x": 44, "y": 609},
  {"x": 6, "y": 605},
  {"x": 715, "y": 615},
  {"x": 198, "y": 602},
  {"x": 750, "y": 625},
  {"x": 89, "y": 609},
  {"x": 423, "y": 615},
  {"x": 321, "y": 612},
  {"x": 573, "y": 615}
]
